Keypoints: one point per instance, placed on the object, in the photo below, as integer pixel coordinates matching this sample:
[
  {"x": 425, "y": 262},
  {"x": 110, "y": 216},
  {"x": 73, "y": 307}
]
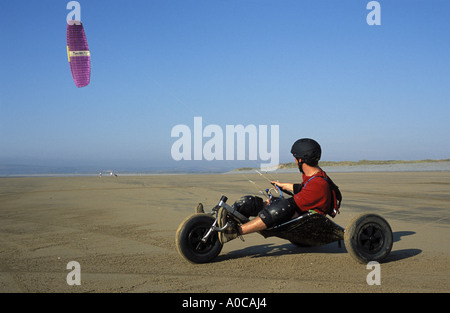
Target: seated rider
[{"x": 311, "y": 194}]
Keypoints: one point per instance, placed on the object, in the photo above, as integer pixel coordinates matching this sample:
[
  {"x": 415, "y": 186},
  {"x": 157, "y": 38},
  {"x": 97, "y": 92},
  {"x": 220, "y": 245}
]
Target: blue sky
[{"x": 315, "y": 68}]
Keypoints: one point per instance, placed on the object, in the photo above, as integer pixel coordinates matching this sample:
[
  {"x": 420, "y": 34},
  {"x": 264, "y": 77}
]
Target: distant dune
[{"x": 354, "y": 163}]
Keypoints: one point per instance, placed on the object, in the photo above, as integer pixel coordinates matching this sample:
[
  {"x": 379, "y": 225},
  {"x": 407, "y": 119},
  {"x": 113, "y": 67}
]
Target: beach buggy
[{"x": 368, "y": 237}]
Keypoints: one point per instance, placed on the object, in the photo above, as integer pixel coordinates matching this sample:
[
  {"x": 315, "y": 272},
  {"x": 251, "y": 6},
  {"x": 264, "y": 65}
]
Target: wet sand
[{"x": 121, "y": 231}]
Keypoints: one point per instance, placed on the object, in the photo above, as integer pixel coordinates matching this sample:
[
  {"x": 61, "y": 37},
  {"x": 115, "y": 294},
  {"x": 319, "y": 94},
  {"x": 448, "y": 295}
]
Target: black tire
[
  {"x": 189, "y": 235},
  {"x": 368, "y": 238}
]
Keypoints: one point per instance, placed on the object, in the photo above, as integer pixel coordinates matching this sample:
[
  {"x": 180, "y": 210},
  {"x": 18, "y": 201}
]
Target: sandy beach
[{"x": 121, "y": 230}]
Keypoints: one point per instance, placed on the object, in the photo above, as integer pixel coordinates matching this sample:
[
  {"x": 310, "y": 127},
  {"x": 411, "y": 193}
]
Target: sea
[{"x": 399, "y": 167}]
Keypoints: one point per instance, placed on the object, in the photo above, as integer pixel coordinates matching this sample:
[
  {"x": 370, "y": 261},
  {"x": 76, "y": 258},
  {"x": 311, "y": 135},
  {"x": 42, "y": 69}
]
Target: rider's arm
[{"x": 314, "y": 196}]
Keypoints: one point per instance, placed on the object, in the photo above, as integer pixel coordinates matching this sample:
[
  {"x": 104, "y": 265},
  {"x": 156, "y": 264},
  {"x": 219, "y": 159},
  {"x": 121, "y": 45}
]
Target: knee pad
[
  {"x": 249, "y": 205},
  {"x": 278, "y": 211}
]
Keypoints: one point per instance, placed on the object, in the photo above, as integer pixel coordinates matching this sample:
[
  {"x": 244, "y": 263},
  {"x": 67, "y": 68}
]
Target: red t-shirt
[{"x": 316, "y": 195}]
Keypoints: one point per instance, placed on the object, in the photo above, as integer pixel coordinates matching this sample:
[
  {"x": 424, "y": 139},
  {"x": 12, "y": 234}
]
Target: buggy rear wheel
[
  {"x": 189, "y": 235},
  {"x": 368, "y": 238}
]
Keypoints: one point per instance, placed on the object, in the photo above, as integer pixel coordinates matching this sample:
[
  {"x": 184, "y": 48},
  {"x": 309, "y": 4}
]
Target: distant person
[{"x": 314, "y": 193}]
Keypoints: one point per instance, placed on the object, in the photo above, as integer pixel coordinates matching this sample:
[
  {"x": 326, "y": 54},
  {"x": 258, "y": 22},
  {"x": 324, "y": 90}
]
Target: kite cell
[{"x": 78, "y": 53}]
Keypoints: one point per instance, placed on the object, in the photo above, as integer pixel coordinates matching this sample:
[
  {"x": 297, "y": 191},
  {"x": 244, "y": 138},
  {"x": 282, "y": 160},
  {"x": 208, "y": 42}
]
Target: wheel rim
[
  {"x": 371, "y": 238},
  {"x": 195, "y": 240}
]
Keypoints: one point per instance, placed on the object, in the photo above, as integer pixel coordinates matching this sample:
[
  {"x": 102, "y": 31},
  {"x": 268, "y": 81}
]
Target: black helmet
[{"x": 307, "y": 149}]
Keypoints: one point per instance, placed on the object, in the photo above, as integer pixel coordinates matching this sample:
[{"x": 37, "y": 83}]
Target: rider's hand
[
  {"x": 277, "y": 183},
  {"x": 285, "y": 186}
]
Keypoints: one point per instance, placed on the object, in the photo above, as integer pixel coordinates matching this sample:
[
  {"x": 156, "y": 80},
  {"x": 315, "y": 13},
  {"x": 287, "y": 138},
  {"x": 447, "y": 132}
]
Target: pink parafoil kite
[{"x": 78, "y": 53}]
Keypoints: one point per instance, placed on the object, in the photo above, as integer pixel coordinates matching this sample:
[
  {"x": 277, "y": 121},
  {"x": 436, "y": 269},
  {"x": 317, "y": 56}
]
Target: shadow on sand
[
  {"x": 397, "y": 255},
  {"x": 271, "y": 249}
]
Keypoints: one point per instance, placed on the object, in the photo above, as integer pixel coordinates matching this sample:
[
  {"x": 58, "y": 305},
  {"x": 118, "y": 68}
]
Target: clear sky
[{"x": 315, "y": 68}]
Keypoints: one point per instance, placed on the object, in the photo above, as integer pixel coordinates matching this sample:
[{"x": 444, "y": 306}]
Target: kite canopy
[{"x": 78, "y": 53}]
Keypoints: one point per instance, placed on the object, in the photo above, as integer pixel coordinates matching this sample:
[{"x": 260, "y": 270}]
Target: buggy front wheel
[{"x": 189, "y": 235}]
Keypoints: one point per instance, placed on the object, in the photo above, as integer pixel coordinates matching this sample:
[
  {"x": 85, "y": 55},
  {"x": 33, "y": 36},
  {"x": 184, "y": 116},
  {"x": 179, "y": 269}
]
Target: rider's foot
[
  {"x": 199, "y": 208},
  {"x": 231, "y": 231}
]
